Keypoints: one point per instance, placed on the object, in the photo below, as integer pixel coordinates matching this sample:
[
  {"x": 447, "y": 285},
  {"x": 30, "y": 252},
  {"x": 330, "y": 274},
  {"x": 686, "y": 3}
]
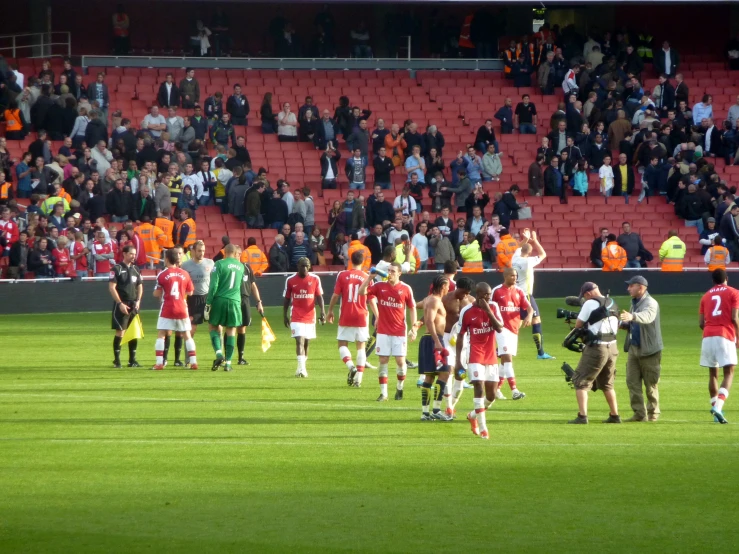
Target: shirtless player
[
  {"x": 454, "y": 301},
  {"x": 432, "y": 355}
]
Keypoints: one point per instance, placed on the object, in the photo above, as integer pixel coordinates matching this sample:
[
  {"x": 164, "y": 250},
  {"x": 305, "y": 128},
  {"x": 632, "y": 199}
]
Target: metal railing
[{"x": 36, "y": 45}]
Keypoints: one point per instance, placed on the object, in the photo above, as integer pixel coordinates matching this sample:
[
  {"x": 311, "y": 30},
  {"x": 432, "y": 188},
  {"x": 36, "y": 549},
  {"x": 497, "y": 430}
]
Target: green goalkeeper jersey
[{"x": 225, "y": 280}]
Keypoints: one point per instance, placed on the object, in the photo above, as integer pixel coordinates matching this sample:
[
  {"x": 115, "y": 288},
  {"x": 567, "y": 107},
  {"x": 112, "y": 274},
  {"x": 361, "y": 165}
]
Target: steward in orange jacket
[
  {"x": 614, "y": 257},
  {"x": 153, "y": 237},
  {"x": 254, "y": 257},
  {"x": 505, "y": 249},
  {"x": 355, "y": 245}
]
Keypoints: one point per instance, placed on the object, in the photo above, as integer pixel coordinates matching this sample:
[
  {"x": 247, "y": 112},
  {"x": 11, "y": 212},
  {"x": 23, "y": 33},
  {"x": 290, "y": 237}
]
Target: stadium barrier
[{"x": 91, "y": 294}]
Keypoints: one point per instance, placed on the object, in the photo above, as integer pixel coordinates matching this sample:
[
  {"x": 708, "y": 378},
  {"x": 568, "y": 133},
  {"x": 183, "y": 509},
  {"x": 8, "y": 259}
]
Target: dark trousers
[{"x": 328, "y": 184}]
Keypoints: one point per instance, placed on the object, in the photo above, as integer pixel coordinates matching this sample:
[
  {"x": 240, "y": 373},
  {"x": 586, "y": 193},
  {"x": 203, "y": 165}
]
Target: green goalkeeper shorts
[{"x": 225, "y": 312}]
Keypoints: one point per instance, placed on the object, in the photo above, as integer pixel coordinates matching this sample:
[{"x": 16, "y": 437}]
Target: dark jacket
[
  {"x": 375, "y": 245},
  {"x": 213, "y": 108},
  {"x": 659, "y": 61},
  {"x": 596, "y": 250},
  {"x": 275, "y": 211},
  {"x": 484, "y": 136},
  {"x": 550, "y": 183},
  {"x": 333, "y": 161},
  {"x": 507, "y": 209},
  {"x": 716, "y": 143},
  {"x": 379, "y": 212},
  {"x": 39, "y": 111},
  {"x": 667, "y": 95},
  {"x": 279, "y": 261},
  {"x": 618, "y": 186},
  {"x": 95, "y": 132},
  {"x": 119, "y": 203},
  {"x": 414, "y": 139},
  {"x": 143, "y": 206},
  {"x": 437, "y": 142},
  {"x": 174, "y": 96},
  {"x": 92, "y": 95},
  {"x": 238, "y": 107},
  {"x": 319, "y": 139},
  {"x": 200, "y": 126}
]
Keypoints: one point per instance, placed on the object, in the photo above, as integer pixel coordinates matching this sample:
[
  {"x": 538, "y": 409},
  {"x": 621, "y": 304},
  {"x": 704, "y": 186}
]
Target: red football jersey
[
  {"x": 716, "y": 306},
  {"x": 99, "y": 248},
  {"x": 9, "y": 230},
  {"x": 81, "y": 262},
  {"x": 482, "y": 335},
  {"x": 61, "y": 261},
  {"x": 176, "y": 285},
  {"x": 391, "y": 304},
  {"x": 353, "y": 312},
  {"x": 302, "y": 291},
  {"x": 510, "y": 300}
]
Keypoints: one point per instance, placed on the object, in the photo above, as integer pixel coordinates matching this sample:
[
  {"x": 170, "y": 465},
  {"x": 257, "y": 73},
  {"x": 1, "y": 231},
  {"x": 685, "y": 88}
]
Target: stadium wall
[{"x": 29, "y": 297}]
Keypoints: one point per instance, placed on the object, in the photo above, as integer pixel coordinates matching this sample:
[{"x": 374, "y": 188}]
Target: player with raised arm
[
  {"x": 303, "y": 290},
  {"x": 481, "y": 320},
  {"x": 248, "y": 289},
  {"x": 454, "y": 301},
  {"x": 513, "y": 304},
  {"x": 352, "y": 317},
  {"x": 126, "y": 288},
  {"x": 173, "y": 287},
  {"x": 223, "y": 305},
  {"x": 719, "y": 319},
  {"x": 199, "y": 268},
  {"x": 524, "y": 263},
  {"x": 432, "y": 354},
  {"x": 393, "y": 297}
]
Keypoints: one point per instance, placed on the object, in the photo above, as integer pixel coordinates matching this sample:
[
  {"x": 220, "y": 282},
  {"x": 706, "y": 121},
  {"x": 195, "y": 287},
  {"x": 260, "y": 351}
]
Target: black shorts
[
  {"x": 196, "y": 308},
  {"x": 426, "y": 362},
  {"x": 534, "y": 307},
  {"x": 245, "y": 312},
  {"x": 120, "y": 321}
]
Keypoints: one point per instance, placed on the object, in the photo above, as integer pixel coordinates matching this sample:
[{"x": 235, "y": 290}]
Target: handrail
[{"x": 40, "y": 47}]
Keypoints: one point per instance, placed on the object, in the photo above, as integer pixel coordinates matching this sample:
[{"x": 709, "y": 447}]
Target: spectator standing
[
  {"x": 356, "y": 170},
  {"x": 99, "y": 91},
  {"x": 632, "y": 244},
  {"x": 237, "y": 106},
  {"x": 169, "y": 94},
  {"x": 505, "y": 116},
  {"x": 703, "y": 109},
  {"x": 326, "y": 131},
  {"x": 279, "y": 262},
  {"x": 492, "y": 167},
  {"x": 605, "y": 173},
  {"x": 189, "y": 90},
  {"x": 415, "y": 164},
  {"x": 383, "y": 166},
  {"x": 175, "y": 124},
  {"x": 553, "y": 179},
  {"x": 672, "y": 252},
  {"x": 486, "y": 135},
  {"x": 644, "y": 347},
  {"x": 396, "y": 145},
  {"x": 360, "y": 138},
  {"x": 536, "y": 175},
  {"x": 329, "y": 167},
  {"x": 666, "y": 60},
  {"x": 154, "y": 122},
  {"x": 599, "y": 245},
  {"x": 474, "y": 164},
  {"x": 525, "y": 118}
]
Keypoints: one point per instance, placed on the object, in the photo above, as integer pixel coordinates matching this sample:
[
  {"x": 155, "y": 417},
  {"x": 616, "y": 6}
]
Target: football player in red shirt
[
  {"x": 173, "y": 287},
  {"x": 512, "y": 301},
  {"x": 352, "y": 317},
  {"x": 482, "y": 320},
  {"x": 393, "y": 297},
  {"x": 303, "y": 290},
  {"x": 719, "y": 319}
]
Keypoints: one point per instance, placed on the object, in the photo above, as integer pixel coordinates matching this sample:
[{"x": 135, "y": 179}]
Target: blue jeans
[
  {"x": 81, "y": 274},
  {"x": 362, "y": 51},
  {"x": 527, "y": 128},
  {"x": 482, "y": 147},
  {"x": 697, "y": 223},
  {"x": 487, "y": 265},
  {"x": 383, "y": 186},
  {"x": 119, "y": 219},
  {"x": 277, "y": 225},
  {"x": 424, "y": 265},
  {"x": 633, "y": 264},
  {"x": 356, "y": 186}
]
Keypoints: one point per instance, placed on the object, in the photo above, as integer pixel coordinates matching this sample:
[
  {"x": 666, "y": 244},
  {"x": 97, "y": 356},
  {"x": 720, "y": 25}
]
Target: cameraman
[{"x": 599, "y": 324}]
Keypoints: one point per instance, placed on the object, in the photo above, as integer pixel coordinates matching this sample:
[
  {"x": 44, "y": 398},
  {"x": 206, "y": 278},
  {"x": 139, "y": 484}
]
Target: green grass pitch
[{"x": 99, "y": 460}]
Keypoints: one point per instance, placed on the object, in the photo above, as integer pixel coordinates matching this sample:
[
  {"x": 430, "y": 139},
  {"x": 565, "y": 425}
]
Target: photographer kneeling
[{"x": 597, "y": 324}]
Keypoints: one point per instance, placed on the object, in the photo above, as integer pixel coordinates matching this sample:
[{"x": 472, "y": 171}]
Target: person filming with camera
[{"x": 596, "y": 325}]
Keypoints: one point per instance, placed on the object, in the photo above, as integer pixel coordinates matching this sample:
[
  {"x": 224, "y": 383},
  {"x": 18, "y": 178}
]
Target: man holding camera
[
  {"x": 597, "y": 324},
  {"x": 644, "y": 348}
]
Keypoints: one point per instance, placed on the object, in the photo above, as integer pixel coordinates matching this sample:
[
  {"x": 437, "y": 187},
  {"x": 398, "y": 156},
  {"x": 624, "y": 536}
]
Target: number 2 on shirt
[{"x": 717, "y": 307}]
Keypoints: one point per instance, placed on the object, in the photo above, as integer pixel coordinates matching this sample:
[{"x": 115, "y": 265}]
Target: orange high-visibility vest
[
  {"x": 464, "y": 35},
  {"x": 472, "y": 267},
  {"x": 5, "y": 190},
  {"x": 191, "y": 236},
  {"x": 153, "y": 237},
  {"x": 356, "y": 245},
  {"x": 255, "y": 259},
  {"x": 167, "y": 226},
  {"x": 672, "y": 264},
  {"x": 614, "y": 257},
  {"x": 719, "y": 254},
  {"x": 509, "y": 57},
  {"x": 13, "y": 121},
  {"x": 505, "y": 250}
]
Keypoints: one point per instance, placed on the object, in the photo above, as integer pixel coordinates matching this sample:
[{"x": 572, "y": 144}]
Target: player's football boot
[
  {"x": 193, "y": 366},
  {"x": 473, "y": 423},
  {"x": 612, "y": 419},
  {"x": 217, "y": 363},
  {"x": 546, "y": 356},
  {"x": 178, "y": 363},
  {"x": 411, "y": 365},
  {"x": 243, "y": 361},
  {"x": 484, "y": 434},
  {"x": 369, "y": 365},
  {"x": 579, "y": 420},
  {"x": 518, "y": 395},
  {"x": 398, "y": 395},
  {"x": 116, "y": 365},
  {"x": 350, "y": 376},
  {"x": 499, "y": 395},
  {"x": 158, "y": 367},
  {"x": 227, "y": 367},
  {"x": 426, "y": 417},
  {"x": 718, "y": 416},
  {"x": 441, "y": 416},
  {"x": 419, "y": 383},
  {"x": 451, "y": 412},
  {"x": 301, "y": 373},
  {"x": 382, "y": 398}
]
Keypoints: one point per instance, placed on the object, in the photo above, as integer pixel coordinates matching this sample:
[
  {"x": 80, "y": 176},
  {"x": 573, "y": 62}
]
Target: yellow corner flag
[
  {"x": 135, "y": 330},
  {"x": 268, "y": 337}
]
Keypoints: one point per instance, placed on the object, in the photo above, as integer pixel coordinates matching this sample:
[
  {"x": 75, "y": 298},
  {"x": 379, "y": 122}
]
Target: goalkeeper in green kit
[{"x": 223, "y": 305}]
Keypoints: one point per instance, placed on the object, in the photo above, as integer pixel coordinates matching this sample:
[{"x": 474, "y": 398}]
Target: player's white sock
[
  {"x": 361, "y": 360},
  {"x": 508, "y": 370},
  {"x": 488, "y": 403},
  {"x": 713, "y": 400},
  {"x": 190, "y": 349},
  {"x": 159, "y": 350},
  {"x": 301, "y": 363},
  {"x": 383, "y": 379},
  {"x": 723, "y": 394},
  {"x": 346, "y": 357},
  {"x": 402, "y": 370},
  {"x": 479, "y": 404},
  {"x": 457, "y": 389}
]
